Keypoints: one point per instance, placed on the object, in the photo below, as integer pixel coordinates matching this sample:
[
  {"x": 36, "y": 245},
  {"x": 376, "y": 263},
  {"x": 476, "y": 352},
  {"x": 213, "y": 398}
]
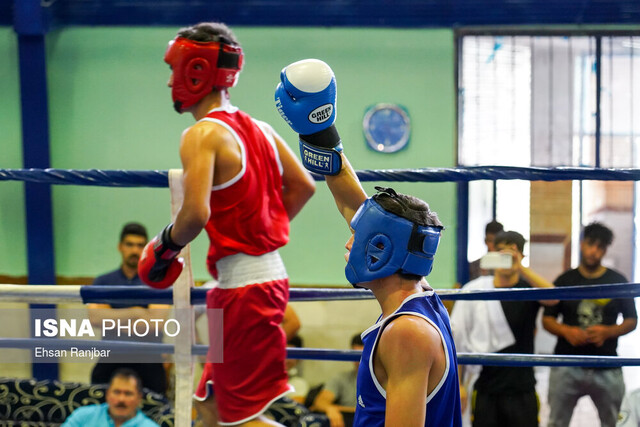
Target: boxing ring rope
[
  {"x": 141, "y": 294},
  {"x": 194, "y": 296},
  {"x": 485, "y": 359},
  {"x": 53, "y": 294},
  {"x": 488, "y": 359},
  {"x": 158, "y": 179}
]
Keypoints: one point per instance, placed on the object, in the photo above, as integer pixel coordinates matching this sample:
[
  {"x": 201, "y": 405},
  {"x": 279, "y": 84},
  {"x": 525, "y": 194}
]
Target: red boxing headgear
[{"x": 199, "y": 67}]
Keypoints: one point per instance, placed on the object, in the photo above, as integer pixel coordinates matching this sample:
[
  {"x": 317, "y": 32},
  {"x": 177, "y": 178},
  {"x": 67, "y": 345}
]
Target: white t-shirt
[{"x": 630, "y": 410}]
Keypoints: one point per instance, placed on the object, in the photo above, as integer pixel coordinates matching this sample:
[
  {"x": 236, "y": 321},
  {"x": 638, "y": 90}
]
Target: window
[{"x": 550, "y": 100}]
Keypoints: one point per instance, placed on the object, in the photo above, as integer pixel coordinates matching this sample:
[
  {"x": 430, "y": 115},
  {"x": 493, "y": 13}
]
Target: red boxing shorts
[{"x": 252, "y": 374}]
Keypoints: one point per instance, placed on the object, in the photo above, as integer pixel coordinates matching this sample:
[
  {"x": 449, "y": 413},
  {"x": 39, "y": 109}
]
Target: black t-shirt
[
  {"x": 585, "y": 313},
  {"x": 521, "y": 317}
]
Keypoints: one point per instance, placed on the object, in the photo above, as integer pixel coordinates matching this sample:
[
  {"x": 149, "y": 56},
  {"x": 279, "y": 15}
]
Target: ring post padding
[{"x": 184, "y": 315}]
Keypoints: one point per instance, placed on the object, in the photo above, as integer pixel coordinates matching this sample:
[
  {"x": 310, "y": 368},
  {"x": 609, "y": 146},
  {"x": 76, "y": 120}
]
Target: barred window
[
  {"x": 533, "y": 100},
  {"x": 550, "y": 99}
]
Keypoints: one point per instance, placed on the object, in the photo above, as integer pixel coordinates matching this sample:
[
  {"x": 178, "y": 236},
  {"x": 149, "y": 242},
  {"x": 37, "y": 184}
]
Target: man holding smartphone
[{"x": 502, "y": 395}]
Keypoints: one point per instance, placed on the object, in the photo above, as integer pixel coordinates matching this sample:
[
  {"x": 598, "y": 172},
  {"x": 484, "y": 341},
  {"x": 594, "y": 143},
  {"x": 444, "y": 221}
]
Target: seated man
[
  {"x": 149, "y": 368},
  {"x": 290, "y": 323},
  {"x": 124, "y": 396},
  {"x": 338, "y": 398}
]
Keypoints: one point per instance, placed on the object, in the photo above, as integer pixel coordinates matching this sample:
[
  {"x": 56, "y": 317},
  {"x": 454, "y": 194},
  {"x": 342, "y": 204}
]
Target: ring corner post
[
  {"x": 462, "y": 233},
  {"x": 31, "y": 21}
]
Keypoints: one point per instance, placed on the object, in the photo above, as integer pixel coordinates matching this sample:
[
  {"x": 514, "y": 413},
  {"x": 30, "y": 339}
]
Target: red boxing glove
[{"x": 158, "y": 266}]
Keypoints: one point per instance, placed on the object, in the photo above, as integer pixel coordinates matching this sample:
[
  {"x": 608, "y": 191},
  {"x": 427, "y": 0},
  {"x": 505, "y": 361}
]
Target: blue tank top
[{"x": 443, "y": 403}]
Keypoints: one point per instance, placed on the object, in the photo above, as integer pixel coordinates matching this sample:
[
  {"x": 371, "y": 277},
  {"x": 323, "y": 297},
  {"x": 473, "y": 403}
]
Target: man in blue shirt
[
  {"x": 133, "y": 238},
  {"x": 121, "y": 409}
]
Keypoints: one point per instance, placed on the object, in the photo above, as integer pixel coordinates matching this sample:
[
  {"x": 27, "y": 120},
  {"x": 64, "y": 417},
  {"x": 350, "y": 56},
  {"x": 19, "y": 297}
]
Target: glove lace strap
[{"x": 326, "y": 138}]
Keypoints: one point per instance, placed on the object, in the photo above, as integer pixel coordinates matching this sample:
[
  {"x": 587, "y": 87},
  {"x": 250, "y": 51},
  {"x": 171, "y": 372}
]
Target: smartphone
[{"x": 494, "y": 260}]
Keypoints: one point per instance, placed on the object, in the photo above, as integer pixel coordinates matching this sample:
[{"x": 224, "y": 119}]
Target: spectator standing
[
  {"x": 588, "y": 327},
  {"x": 501, "y": 395}
]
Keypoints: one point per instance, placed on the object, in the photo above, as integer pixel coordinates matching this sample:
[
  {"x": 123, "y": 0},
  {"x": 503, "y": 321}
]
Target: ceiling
[{"x": 369, "y": 13}]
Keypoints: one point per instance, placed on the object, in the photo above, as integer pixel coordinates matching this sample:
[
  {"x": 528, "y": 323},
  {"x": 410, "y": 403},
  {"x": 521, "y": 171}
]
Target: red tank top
[{"x": 247, "y": 212}]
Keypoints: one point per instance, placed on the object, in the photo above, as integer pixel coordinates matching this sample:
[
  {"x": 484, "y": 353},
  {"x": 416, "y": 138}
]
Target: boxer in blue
[{"x": 408, "y": 371}]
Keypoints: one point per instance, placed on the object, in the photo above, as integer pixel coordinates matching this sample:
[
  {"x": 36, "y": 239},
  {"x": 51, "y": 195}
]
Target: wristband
[
  {"x": 165, "y": 248},
  {"x": 325, "y": 161}
]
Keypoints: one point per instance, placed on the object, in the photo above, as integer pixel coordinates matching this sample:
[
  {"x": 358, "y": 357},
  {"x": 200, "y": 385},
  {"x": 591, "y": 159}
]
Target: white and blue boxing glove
[{"x": 306, "y": 100}]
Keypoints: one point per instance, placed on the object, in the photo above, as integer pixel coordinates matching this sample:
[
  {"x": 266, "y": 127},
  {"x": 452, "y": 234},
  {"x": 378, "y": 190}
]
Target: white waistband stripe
[{"x": 240, "y": 270}]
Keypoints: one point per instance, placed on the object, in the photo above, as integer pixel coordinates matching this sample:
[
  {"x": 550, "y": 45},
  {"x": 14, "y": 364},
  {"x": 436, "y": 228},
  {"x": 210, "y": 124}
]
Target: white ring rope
[{"x": 40, "y": 294}]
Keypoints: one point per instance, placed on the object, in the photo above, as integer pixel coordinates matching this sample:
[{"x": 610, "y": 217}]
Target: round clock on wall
[{"x": 387, "y": 128}]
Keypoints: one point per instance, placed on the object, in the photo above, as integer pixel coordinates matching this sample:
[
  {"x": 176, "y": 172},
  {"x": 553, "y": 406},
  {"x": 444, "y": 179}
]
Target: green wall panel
[
  {"x": 111, "y": 109},
  {"x": 13, "y": 252},
  {"x": 414, "y": 68}
]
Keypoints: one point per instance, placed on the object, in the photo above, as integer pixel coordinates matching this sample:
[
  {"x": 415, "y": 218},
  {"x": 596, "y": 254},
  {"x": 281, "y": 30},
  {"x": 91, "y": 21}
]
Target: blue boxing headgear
[{"x": 385, "y": 243}]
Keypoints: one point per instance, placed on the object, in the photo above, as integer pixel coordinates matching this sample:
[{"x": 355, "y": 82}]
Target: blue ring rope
[
  {"x": 615, "y": 290},
  {"x": 476, "y": 173},
  {"x": 94, "y": 177},
  {"x": 145, "y": 295},
  {"x": 138, "y": 178},
  {"x": 521, "y": 360},
  {"x": 485, "y": 359}
]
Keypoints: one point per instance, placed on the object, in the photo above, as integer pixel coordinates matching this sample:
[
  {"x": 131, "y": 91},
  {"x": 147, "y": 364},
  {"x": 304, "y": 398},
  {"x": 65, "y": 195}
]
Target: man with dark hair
[
  {"x": 133, "y": 229},
  {"x": 509, "y": 239},
  {"x": 209, "y": 31},
  {"x": 408, "y": 357},
  {"x": 127, "y": 374},
  {"x": 597, "y": 232},
  {"x": 133, "y": 238},
  {"x": 356, "y": 340},
  {"x": 122, "y": 407},
  {"x": 243, "y": 185},
  {"x": 490, "y": 232},
  {"x": 589, "y": 327},
  {"x": 502, "y": 395}
]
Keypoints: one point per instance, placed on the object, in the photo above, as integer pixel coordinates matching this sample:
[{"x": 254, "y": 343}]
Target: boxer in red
[{"x": 243, "y": 185}]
